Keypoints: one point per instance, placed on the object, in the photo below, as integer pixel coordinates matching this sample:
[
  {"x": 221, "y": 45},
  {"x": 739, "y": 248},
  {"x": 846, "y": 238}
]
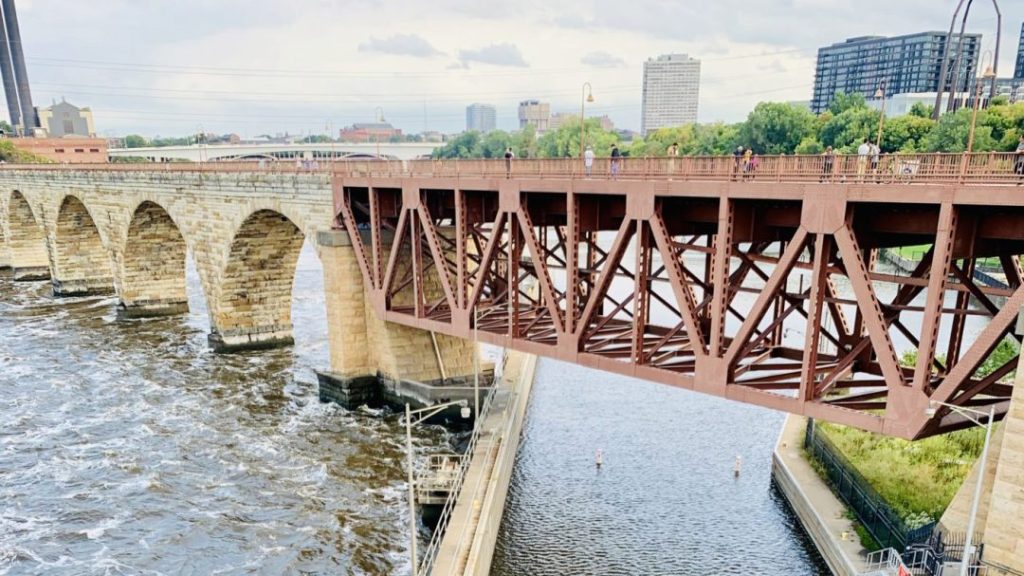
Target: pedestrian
[
  {"x": 747, "y": 155},
  {"x": 828, "y": 158},
  {"x": 588, "y": 161},
  {"x": 755, "y": 161},
  {"x": 1018, "y": 166},
  {"x": 616, "y": 158},
  {"x": 509, "y": 155},
  {"x": 737, "y": 160},
  {"x": 863, "y": 154},
  {"x": 672, "y": 152}
]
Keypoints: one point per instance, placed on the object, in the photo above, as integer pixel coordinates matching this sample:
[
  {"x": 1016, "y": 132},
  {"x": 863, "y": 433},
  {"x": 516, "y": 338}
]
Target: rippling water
[
  {"x": 665, "y": 502},
  {"x": 129, "y": 448}
]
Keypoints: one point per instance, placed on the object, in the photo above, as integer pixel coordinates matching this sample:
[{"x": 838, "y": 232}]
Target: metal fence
[
  {"x": 873, "y": 512},
  {"x": 977, "y": 168}
]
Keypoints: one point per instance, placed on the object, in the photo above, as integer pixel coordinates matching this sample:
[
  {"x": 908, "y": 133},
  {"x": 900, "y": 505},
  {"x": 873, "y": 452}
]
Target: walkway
[{"x": 467, "y": 545}]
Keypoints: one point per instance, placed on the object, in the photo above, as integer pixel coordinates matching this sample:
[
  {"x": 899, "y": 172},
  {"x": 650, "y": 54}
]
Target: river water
[{"x": 129, "y": 448}]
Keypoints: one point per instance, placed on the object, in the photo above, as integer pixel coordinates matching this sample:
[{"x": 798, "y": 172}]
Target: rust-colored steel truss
[{"x": 768, "y": 293}]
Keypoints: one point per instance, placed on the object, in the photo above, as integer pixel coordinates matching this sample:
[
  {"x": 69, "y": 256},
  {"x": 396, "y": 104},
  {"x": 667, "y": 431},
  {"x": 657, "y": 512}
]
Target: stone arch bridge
[{"x": 128, "y": 231}]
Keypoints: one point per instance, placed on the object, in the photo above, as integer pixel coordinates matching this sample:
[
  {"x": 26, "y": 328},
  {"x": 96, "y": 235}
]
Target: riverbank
[{"x": 821, "y": 514}]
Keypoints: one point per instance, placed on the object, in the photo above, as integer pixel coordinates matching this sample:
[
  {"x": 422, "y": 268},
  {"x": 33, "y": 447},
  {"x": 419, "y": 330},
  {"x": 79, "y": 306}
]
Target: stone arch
[
  {"x": 153, "y": 265},
  {"x": 253, "y": 303},
  {"x": 26, "y": 241},
  {"x": 81, "y": 265}
]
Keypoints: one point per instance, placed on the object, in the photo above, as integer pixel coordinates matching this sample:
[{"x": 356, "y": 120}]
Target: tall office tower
[
  {"x": 535, "y": 113},
  {"x": 481, "y": 117},
  {"x": 671, "y": 92}
]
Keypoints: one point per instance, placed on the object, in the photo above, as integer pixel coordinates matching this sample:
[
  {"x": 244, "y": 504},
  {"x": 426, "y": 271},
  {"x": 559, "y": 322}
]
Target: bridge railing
[{"x": 978, "y": 168}]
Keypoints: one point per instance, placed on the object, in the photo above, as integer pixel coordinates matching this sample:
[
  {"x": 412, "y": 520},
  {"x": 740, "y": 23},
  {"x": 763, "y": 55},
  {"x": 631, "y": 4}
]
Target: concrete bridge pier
[{"x": 376, "y": 362}]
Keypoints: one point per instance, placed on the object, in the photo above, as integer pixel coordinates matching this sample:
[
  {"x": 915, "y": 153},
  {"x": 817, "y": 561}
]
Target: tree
[
  {"x": 842, "y": 102},
  {"x": 657, "y": 142},
  {"x": 135, "y": 141},
  {"x": 714, "y": 139},
  {"x": 846, "y": 130},
  {"x": 952, "y": 131},
  {"x": 565, "y": 141},
  {"x": 906, "y": 133},
  {"x": 776, "y": 128},
  {"x": 921, "y": 110},
  {"x": 809, "y": 145},
  {"x": 465, "y": 145}
]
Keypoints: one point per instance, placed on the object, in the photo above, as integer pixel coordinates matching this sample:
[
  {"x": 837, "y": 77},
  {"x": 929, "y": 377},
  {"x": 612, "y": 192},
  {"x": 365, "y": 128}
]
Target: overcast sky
[{"x": 170, "y": 67}]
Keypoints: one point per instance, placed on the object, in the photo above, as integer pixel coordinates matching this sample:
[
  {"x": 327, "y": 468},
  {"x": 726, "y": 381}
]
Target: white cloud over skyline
[{"x": 256, "y": 66}]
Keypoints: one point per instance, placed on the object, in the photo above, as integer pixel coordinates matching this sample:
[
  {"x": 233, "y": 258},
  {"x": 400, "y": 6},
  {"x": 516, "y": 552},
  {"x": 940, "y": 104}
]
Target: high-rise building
[
  {"x": 671, "y": 92},
  {"x": 481, "y": 117},
  {"x": 535, "y": 113},
  {"x": 906, "y": 64},
  {"x": 1018, "y": 71}
]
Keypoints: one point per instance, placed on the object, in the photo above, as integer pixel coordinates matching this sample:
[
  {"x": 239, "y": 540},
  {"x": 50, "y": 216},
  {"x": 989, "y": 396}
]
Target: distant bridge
[{"x": 320, "y": 151}]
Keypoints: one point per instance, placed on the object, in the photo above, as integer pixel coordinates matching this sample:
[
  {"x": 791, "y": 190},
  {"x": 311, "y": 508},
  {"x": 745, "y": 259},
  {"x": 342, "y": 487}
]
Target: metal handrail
[
  {"x": 935, "y": 168},
  {"x": 430, "y": 554}
]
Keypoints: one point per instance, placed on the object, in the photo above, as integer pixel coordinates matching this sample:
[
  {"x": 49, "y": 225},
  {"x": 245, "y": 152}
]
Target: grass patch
[{"x": 915, "y": 478}]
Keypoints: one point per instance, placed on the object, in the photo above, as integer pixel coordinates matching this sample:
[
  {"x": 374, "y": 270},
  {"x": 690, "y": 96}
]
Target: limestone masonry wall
[{"x": 128, "y": 232}]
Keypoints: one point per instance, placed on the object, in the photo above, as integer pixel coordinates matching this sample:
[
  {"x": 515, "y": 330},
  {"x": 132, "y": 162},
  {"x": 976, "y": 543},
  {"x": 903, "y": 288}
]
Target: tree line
[{"x": 770, "y": 128}]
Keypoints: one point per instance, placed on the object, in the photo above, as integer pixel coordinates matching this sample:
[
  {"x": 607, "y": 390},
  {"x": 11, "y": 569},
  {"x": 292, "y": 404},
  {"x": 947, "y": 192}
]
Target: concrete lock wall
[
  {"x": 96, "y": 232},
  {"x": 1000, "y": 519}
]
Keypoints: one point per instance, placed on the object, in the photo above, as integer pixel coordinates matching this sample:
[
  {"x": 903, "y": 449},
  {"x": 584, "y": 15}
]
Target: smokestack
[
  {"x": 10, "y": 89},
  {"x": 28, "y": 112}
]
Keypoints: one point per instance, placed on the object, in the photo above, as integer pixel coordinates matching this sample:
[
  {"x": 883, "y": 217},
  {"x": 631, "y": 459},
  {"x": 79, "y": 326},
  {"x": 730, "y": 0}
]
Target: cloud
[
  {"x": 504, "y": 54},
  {"x": 402, "y": 45},
  {"x": 602, "y": 60}
]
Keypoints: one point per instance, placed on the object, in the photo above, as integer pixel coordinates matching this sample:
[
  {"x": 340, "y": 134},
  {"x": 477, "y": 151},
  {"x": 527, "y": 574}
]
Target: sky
[{"x": 175, "y": 67}]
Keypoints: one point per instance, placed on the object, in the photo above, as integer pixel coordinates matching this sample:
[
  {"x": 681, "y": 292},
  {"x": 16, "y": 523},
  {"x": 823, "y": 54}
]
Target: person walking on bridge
[
  {"x": 828, "y": 159},
  {"x": 616, "y": 158},
  {"x": 588, "y": 161},
  {"x": 509, "y": 155},
  {"x": 1018, "y": 166},
  {"x": 863, "y": 153},
  {"x": 672, "y": 153}
]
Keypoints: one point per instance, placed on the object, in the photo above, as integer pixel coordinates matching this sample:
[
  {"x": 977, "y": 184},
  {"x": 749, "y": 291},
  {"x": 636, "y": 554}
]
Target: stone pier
[{"x": 376, "y": 362}]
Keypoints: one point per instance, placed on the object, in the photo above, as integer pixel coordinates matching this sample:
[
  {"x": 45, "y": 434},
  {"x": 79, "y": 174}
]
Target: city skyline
[{"x": 191, "y": 66}]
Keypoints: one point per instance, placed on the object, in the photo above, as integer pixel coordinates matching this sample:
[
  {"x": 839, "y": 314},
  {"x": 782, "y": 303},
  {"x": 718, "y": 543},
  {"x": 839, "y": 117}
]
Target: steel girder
[{"x": 776, "y": 298}]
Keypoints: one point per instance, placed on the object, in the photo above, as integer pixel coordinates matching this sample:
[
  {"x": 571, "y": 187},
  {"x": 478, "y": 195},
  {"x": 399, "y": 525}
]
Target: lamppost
[
  {"x": 988, "y": 75},
  {"x": 409, "y": 423},
  {"x": 585, "y": 96},
  {"x": 880, "y": 93},
  {"x": 379, "y": 113},
  {"x": 975, "y": 417}
]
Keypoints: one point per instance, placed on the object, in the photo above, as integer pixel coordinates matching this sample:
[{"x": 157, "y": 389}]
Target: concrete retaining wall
[{"x": 821, "y": 514}]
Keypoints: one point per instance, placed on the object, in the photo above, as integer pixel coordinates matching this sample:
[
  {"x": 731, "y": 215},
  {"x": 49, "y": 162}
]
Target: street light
[
  {"x": 378, "y": 113},
  {"x": 880, "y": 93},
  {"x": 585, "y": 96},
  {"x": 967, "y": 413},
  {"x": 988, "y": 75},
  {"x": 409, "y": 423}
]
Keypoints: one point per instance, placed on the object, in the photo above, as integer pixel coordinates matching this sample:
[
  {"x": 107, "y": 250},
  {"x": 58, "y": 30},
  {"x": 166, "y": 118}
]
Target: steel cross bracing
[{"x": 765, "y": 293}]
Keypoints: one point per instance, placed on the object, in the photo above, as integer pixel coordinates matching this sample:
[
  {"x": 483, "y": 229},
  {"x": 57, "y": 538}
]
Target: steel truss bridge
[{"x": 760, "y": 285}]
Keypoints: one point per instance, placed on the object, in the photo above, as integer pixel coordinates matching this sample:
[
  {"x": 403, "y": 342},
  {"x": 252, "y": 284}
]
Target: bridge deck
[{"x": 765, "y": 291}]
